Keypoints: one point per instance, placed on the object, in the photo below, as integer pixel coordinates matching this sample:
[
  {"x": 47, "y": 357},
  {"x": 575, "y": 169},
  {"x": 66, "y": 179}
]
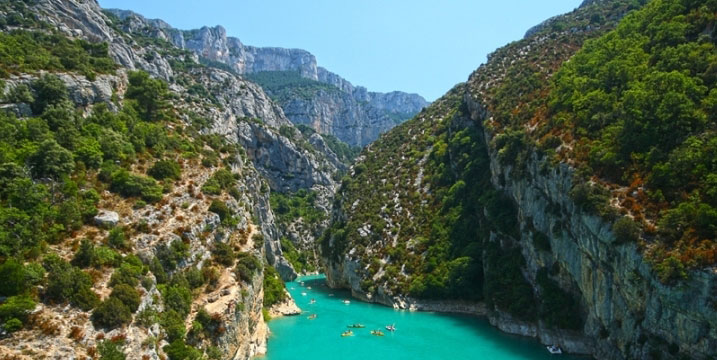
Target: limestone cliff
[{"x": 353, "y": 114}]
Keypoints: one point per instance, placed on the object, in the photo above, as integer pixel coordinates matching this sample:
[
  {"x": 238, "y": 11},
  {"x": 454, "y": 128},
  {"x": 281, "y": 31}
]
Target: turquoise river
[{"x": 418, "y": 335}]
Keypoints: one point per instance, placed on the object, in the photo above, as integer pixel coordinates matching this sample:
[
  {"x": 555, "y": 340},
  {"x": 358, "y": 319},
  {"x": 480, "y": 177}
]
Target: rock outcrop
[{"x": 106, "y": 218}]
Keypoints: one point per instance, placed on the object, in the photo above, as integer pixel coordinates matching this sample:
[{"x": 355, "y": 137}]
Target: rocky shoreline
[{"x": 287, "y": 307}]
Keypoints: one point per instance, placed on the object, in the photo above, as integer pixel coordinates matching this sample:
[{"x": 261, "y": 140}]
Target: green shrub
[
  {"x": 85, "y": 299},
  {"x": 13, "y": 275},
  {"x": 51, "y": 160},
  {"x": 68, "y": 283},
  {"x": 104, "y": 256},
  {"x": 222, "y": 179},
  {"x": 258, "y": 239},
  {"x": 28, "y": 51},
  {"x": 128, "y": 185},
  {"x": 592, "y": 198},
  {"x": 110, "y": 350},
  {"x": 249, "y": 260},
  {"x": 671, "y": 269},
  {"x": 173, "y": 324},
  {"x": 194, "y": 277},
  {"x": 127, "y": 295},
  {"x": 12, "y": 325},
  {"x": 273, "y": 287},
  {"x": 165, "y": 169},
  {"x": 220, "y": 208},
  {"x": 20, "y": 94},
  {"x": 111, "y": 313},
  {"x": 302, "y": 204},
  {"x": 626, "y": 230},
  {"x": 85, "y": 254},
  {"x": 246, "y": 266},
  {"x": 243, "y": 273},
  {"x": 179, "y": 299},
  {"x": 49, "y": 90},
  {"x": 89, "y": 151},
  {"x": 214, "y": 353},
  {"x": 170, "y": 256},
  {"x": 116, "y": 238},
  {"x": 147, "y": 317},
  {"x": 223, "y": 254},
  {"x": 149, "y": 94},
  {"x": 126, "y": 274},
  {"x": 155, "y": 266},
  {"x": 16, "y": 307},
  {"x": 178, "y": 350}
]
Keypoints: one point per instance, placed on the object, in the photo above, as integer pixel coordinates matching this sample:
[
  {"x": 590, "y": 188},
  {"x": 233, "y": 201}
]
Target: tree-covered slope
[
  {"x": 566, "y": 186},
  {"x": 418, "y": 207},
  {"x": 638, "y": 108},
  {"x": 634, "y": 112}
]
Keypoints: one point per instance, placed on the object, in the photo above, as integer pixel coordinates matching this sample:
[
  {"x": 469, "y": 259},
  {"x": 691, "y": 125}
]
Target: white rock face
[
  {"x": 287, "y": 307},
  {"x": 106, "y": 218},
  {"x": 351, "y": 113}
]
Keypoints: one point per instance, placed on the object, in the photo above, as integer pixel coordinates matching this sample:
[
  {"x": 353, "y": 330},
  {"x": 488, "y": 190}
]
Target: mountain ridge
[{"x": 370, "y": 112}]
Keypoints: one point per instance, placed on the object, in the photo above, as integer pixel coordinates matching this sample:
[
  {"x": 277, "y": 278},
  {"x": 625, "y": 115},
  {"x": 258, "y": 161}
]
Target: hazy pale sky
[{"x": 421, "y": 46}]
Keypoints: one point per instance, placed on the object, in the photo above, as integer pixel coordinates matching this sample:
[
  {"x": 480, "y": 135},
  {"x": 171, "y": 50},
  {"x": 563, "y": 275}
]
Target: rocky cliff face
[
  {"x": 219, "y": 103},
  {"x": 182, "y": 217},
  {"x": 338, "y": 113},
  {"x": 353, "y": 114},
  {"x": 625, "y": 311}
]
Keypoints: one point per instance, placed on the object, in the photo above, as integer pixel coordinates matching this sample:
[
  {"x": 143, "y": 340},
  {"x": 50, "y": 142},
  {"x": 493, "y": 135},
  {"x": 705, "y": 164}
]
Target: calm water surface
[{"x": 418, "y": 335}]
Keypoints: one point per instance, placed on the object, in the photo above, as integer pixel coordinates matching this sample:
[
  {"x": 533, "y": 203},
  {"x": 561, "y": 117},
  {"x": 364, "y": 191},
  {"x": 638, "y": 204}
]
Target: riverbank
[{"x": 287, "y": 307}]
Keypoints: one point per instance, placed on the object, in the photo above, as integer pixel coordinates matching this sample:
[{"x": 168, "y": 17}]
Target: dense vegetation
[
  {"x": 299, "y": 211},
  {"x": 633, "y": 111},
  {"x": 291, "y": 207},
  {"x": 274, "y": 292},
  {"x": 640, "y": 104},
  {"x": 288, "y": 85},
  {"x": 24, "y": 51},
  {"x": 50, "y": 162}
]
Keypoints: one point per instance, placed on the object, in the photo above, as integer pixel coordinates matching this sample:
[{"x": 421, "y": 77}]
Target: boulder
[{"x": 106, "y": 218}]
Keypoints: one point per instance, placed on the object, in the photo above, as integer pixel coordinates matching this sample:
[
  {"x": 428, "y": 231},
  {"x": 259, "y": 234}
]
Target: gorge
[{"x": 160, "y": 185}]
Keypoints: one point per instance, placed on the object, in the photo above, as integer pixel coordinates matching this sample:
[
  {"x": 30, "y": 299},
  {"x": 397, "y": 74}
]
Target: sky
[{"x": 416, "y": 46}]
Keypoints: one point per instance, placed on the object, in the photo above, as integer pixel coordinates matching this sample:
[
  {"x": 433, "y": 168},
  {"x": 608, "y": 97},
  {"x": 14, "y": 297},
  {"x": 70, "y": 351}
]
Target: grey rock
[
  {"x": 85, "y": 93},
  {"x": 19, "y": 110},
  {"x": 106, "y": 218}
]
